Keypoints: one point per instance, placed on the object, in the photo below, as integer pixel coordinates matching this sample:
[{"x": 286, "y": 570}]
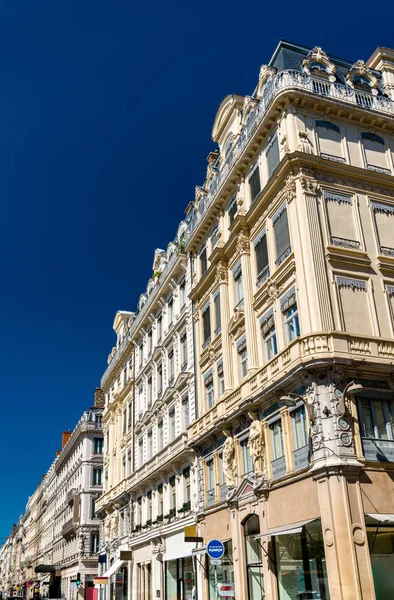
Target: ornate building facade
[
  {"x": 292, "y": 238},
  {"x": 150, "y": 480}
]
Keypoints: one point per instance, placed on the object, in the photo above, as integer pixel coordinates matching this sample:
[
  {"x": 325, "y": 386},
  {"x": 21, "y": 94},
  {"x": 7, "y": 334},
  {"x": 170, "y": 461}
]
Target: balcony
[
  {"x": 70, "y": 497},
  {"x": 286, "y": 80},
  {"x": 69, "y": 529}
]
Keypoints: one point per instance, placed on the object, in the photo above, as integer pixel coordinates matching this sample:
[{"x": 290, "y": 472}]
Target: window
[
  {"x": 377, "y": 418},
  {"x": 375, "y": 152},
  {"x": 218, "y": 324},
  {"x": 129, "y": 462},
  {"x": 171, "y": 367},
  {"x": 239, "y": 294},
  {"x": 159, "y": 380},
  {"x": 243, "y": 356},
  {"x": 140, "y": 401},
  {"x": 92, "y": 508},
  {"x": 97, "y": 475},
  {"x": 141, "y": 353},
  {"x": 140, "y": 451},
  {"x": 171, "y": 416},
  {"x": 253, "y": 558},
  {"x": 261, "y": 252},
  {"x": 182, "y": 293},
  {"x": 272, "y": 155},
  {"x": 172, "y": 495},
  {"x": 209, "y": 391},
  {"x": 281, "y": 232},
  {"x": 214, "y": 237},
  {"x": 160, "y": 434},
  {"x": 269, "y": 335},
  {"x": 124, "y": 421},
  {"x": 149, "y": 393},
  {"x": 183, "y": 341},
  {"x": 98, "y": 445},
  {"x": 186, "y": 411},
  {"x": 124, "y": 466},
  {"x": 232, "y": 210},
  {"x": 276, "y": 439},
  {"x": 149, "y": 341},
  {"x": 159, "y": 324},
  {"x": 254, "y": 183},
  {"x": 160, "y": 500},
  {"x": 203, "y": 260},
  {"x": 129, "y": 415},
  {"x": 149, "y": 506},
  {"x": 330, "y": 142},
  {"x": 210, "y": 473},
  {"x": 170, "y": 307},
  {"x": 186, "y": 486},
  {"x": 247, "y": 463},
  {"x": 139, "y": 511},
  {"x": 150, "y": 444},
  {"x": 299, "y": 427},
  {"x": 206, "y": 325},
  {"x": 94, "y": 543},
  {"x": 220, "y": 377},
  {"x": 289, "y": 309}
]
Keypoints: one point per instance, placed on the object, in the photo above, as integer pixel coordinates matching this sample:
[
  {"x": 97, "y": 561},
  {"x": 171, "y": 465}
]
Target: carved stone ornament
[
  {"x": 317, "y": 62},
  {"x": 261, "y": 486},
  {"x": 114, "y": 523},
  {"x": 221, "y": 273},
  {"x": 289, "y": 190},
  {"x": 309, "y": 185},
  {"x": 273, "y": 290},
  {"x": 360, "y": 70},
  {"x": 256, "y": 444},
  {"x": 243, "y": 244},
  {"x": 266, "y": 73},
  {"x": 199, "y": 192},
  {"x": 305, "y": 144},
  {"x": 229, "y": 459},
  {"x": 249, "y": 104},
  {"x": 107, "y": 527}
]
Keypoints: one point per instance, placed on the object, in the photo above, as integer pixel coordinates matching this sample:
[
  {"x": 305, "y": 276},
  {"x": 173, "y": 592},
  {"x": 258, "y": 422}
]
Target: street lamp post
[{"x": 290, "y": 400}]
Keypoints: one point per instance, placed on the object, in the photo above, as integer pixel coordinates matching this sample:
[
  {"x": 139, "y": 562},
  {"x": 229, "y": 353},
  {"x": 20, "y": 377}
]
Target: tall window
[
  {"x": 171, "y": 417},
  {"x": 150, "y": 444},
  {"x": 272, "y": 154},
  {"x": 203, "y": 260},
  {"x": 239, "y": 294},
  {"x": 182, "y": 293},
  {"x": 129, "y": 462},
  {"x": 139, "y": 511},
  {"x": 171, "y": 367},
  {"x": 186, "y": 411},
  {"x": 289, "y": 309},
  {"x": 254, "y": 183},
  {"x": 243, "y": 356},
  {"x": 218, "y": 322},
  {"x": 149, "y": 341},
  {"x": 253, "y": 559},
  {"x": 140, "y": 451},
  {"x": 149, "y": 392},
  {"x": 299, "y": 427},
  {"x": 159, "y": 379},
  {"x": 159, "y": 324},
  {"x": 94, "y": 543},
  {"x": 160, "y": 434},
  {"x": 377, "y": 417},
  {"x": 141, "y": 401},
  {"x": 160, "y": 500},
  {"x": 149, "y": 506},
  {"x": 97, "y": 476},
  {"x": 141, "y": 353},
  {"x": 172, "y": 495},
  {"x": 282, "y": 236},
  {"x": 170, "y": 307},
  {"x": 206, "y": 325},
  {"x": 210, "y": 474},
  {"x": 129, "y": 409},
  {"x": 186, "y": 486},
  {"x": 124, "y": 420},
  {"x": 261, "y": 251},
  {"x": 247, "y": 463},
  {"x": 209, "y": 391},
  {"x": 277, "y": 439},
  {"x": 98, "y": 445},
  {"x": 220, "y": 372},
  {"x": 232, "y": 210},
  {"x": 214, "y": 237},
  {"x": 269, "y": 335},
  {"x": 183, "y": 341},
  {"x": 124, "y": 466}
]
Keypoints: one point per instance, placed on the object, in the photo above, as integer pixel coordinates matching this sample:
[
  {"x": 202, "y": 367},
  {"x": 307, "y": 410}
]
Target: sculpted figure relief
[
  {"x": 107, "y": 527},
  {"x": 115, "y": 520},
  {"x": 229, "y": 459},
  {"x": 256, "y": 444}
]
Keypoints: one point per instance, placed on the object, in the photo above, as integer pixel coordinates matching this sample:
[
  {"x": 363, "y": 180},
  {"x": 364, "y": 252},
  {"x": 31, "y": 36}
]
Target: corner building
[
  {"x": 150, "y": 477},
  {"x": 292, "y": 238}
]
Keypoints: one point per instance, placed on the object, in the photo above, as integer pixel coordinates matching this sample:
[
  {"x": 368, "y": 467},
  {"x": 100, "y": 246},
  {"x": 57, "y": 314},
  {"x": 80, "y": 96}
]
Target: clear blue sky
[{"x": 106, "y": 111}]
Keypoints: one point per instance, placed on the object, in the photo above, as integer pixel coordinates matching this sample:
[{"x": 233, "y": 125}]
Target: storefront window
[
  {"x": 180, "y": 581},
  {"x": 253, "y": 559},
  {"x": 381, "y": 548},
  {"x": 301, "y": 564},
  {"x": 222, "y": 582}
]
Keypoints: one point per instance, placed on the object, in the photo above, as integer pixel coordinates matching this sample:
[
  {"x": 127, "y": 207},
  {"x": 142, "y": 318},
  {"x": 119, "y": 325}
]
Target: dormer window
[
  {"x": 317, "y": 63},
  {"x": 362, "y": 78}
]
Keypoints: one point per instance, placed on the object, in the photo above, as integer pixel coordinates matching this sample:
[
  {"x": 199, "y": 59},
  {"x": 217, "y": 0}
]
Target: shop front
[
  {"x": 179, "y": 568},
  {"x": 380, "y": 534}
]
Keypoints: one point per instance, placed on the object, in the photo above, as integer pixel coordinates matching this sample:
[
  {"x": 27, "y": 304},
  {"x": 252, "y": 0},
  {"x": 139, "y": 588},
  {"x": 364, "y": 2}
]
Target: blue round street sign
[{"x": 215, "y": 549}]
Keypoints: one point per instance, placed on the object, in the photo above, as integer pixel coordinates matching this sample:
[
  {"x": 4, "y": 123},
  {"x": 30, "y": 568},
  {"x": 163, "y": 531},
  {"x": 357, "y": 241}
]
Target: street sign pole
[{"x": 216, "y": 583}]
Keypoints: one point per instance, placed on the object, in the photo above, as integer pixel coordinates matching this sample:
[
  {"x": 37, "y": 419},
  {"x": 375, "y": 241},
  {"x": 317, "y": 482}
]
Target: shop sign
[
  {"x": 215, "y": 549},
  {"x": 226, "y": 590},
  {"x": 119, "y": 578}
]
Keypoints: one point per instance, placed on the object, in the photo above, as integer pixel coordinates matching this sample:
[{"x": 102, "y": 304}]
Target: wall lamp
[
  {"x": 343, "y": 400},
  {"x": 290, "y": 400}
]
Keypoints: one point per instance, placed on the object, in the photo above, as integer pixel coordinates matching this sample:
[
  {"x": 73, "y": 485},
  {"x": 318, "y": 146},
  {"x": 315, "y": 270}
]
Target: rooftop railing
[{"x": 285, "y": 80}]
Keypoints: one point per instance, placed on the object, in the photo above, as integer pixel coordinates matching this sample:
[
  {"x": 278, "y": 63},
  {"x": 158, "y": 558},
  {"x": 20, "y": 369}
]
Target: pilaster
[{"x": 243, "y": 248}]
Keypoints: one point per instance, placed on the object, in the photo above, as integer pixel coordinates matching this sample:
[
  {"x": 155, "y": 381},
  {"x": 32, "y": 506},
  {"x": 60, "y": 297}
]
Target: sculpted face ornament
[{"x": 229, "y": 459}]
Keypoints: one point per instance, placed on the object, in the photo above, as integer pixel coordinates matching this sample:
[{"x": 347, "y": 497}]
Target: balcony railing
[
  {"x": 68, "y": 528},
  {"x": 282, "y": 81}
]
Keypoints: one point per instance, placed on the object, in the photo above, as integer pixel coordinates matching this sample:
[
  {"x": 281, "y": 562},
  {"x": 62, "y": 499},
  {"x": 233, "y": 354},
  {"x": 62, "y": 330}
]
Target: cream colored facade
[
  {"x": 150, "y": 482},
  {"x": 292, "y": 235}
]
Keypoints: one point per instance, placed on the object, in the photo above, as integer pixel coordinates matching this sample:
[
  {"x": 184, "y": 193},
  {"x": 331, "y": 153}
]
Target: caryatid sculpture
[
  {"x": 229, "y": 459},
  {"x": 107, "y": 527},
  {"x": 256, "y": 444}
]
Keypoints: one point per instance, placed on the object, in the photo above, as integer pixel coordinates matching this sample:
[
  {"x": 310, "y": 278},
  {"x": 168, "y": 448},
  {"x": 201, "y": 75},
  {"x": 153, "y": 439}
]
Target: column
[
  {"x": 243, "y": 248},
  {"x": 222, "y": 278}
]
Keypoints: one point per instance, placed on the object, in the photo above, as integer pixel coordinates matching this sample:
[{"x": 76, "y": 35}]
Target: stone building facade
[{"x": 292, "y": 238}]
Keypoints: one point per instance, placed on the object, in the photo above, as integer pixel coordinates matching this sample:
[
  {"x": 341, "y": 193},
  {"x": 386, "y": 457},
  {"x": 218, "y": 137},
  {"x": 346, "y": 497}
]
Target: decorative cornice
[{"x": 355, "y": 284}]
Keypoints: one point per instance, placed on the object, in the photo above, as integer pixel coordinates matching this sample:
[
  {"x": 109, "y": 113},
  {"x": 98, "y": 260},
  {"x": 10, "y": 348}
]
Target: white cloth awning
[
  {"x": 198, "y": 551},
  {"x": 175, "y": 555},
  {"x": 285, "y": 529},
  {"x": 381, "y": 517},
  {"x": 109, "y": 572}
]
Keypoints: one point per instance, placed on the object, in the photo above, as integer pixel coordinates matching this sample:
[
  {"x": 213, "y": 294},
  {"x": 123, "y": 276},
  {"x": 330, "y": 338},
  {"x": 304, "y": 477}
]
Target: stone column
[
  {"x": 243, "y": 248},
  {"x": 222, "y": 279}
]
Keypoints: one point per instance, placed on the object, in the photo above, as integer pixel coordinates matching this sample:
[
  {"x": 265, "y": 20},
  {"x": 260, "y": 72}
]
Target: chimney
[
  {"x": 99, "y": 398},
  {"x": 65, "y": 437},
  {"x": 383, "y": 60},
  {"x": 58, "y": 453}
]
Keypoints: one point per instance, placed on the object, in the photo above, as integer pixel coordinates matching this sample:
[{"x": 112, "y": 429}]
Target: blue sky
[{"x": 106, "y": 110}]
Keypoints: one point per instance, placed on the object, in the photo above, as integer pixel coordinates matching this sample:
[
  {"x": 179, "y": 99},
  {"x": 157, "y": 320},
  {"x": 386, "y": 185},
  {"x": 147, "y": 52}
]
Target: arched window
[{"x": 254, "y": 565}]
